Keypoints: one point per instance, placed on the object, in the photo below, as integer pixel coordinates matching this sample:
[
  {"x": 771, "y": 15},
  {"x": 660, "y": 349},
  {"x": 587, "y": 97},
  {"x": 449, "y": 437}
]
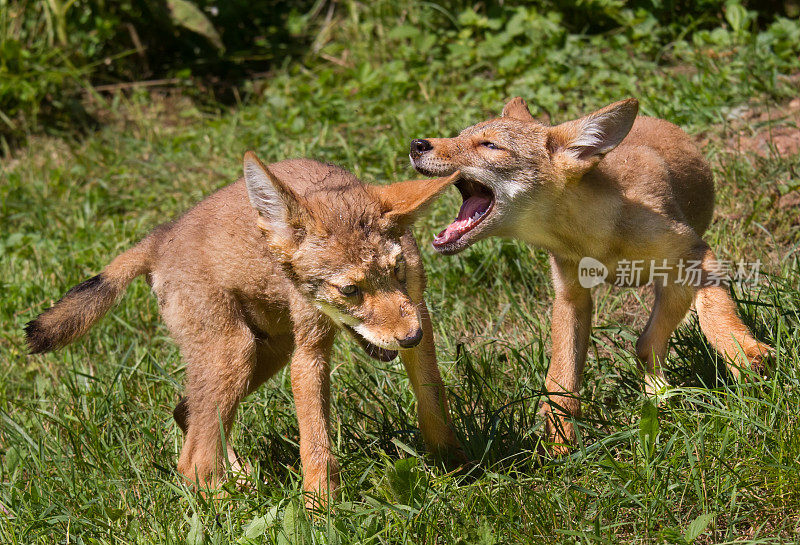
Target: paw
[
  {"x": 315, "y": 502},
  {"x": 321, "y": 486},
  {"x": 198, "y": 475},
  {"x": 656, "y": 387},
  {"x": 451, "y": 455},
  {"x": 558, "y": 431},
  {"x": 556, "y": 449},
  {"x": 756, "y": 363},
  {"x": 560, "y": 436},
  {"x": 240, "y": 469},
  {"x": 458, "y": 463},
  {"x": 758, "y": 354}
]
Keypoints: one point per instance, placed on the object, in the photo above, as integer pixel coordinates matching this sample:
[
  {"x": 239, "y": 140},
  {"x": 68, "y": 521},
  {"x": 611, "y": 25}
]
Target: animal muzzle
[
  {"x": 420, "y": 147},
  {"x": 412, "y": 340},
  {"x": 433, "y": 157}
]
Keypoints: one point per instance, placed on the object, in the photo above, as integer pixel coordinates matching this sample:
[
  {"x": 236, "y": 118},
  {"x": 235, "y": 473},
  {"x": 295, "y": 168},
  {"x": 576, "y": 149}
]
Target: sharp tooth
[{"x": 476, "y": 215}]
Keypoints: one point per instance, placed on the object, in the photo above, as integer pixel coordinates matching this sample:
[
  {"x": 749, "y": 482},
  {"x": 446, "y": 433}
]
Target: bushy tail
[{"x": 84, "y": 304}]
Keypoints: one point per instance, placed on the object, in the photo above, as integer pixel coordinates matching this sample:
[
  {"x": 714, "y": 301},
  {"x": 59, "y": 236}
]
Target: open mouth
[
  {"x": 373, "y": 351},
  {"x": 478, "y": 203}
]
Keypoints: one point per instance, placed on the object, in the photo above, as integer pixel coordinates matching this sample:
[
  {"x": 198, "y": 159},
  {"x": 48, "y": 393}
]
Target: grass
[{"x": 87, "y": 441}]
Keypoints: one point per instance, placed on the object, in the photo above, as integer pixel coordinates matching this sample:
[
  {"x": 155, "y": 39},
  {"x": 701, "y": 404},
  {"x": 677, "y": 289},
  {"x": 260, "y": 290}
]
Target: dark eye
[
  {"x": 400, "y": 269},
  {"x": 490, "y": 145},
  {"x": 350, "y": 290}
]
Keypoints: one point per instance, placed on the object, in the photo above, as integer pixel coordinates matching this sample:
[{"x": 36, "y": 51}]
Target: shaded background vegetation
[{"x": 53, "y": 53}]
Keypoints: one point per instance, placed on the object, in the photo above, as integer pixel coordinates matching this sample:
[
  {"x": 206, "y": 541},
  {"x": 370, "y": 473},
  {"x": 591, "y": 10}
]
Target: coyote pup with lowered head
[
  {"x": 611, "y": 188},
  {"x": 264, "y": 271}
]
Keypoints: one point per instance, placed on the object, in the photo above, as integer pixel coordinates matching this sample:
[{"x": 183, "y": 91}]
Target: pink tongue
[
  {"x": 464, "y": 221},
  {"x": 476, "y": 203}
]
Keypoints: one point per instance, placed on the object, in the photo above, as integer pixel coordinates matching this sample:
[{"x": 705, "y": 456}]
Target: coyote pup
[
  {"x": 611, "y": 188},
  {"x": 266, "y": 271}
]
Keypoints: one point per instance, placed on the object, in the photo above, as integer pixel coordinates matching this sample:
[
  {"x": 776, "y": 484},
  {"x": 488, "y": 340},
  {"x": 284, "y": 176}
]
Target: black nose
[
  {"x": 412, "y": 340},
  {"x": 418, "y": 147}
]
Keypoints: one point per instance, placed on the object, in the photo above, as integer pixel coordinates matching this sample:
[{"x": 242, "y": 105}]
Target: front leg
[
  {"x": 434, "y": 414},
  {"x": 310, "y": 373},
  {"x": 571, "y": 325}
]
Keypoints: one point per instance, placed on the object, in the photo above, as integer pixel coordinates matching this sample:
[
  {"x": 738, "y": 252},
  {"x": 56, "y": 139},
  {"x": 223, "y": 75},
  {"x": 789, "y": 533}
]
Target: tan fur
[
  {"x": 249, "y": 280},
  {"x": 611, "y": 186}
]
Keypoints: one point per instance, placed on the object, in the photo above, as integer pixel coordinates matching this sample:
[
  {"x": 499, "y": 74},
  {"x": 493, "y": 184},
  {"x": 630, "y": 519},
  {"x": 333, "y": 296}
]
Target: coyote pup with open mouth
[
  {"x": 266, "y": 271},
  {"x": 611, "y": 188}
]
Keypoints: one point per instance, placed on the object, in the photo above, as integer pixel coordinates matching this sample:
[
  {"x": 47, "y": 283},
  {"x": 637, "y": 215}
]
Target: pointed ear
[
  {"x": 577, "y": 146},
  {"x": 278, "y": 207},
  {"x": 517, "y": 108},
  {"x": 597, "y": 133},
  {"x": 403, "y": 202}
]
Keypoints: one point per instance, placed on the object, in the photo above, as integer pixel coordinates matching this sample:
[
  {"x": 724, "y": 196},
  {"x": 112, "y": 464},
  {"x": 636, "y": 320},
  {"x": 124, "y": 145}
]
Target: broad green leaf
[
  {"x": 697, "y": 527},
  {"x": 184, "y": 13},
  {"x": 486, "y": 535},
  {"x": 736, "y": 15},
  {"x": 404, "y": 479},
  {"x": 296, "y": 528},
  {"x": 196, "y": 534},
  {"x": 254, "y": 531},
  {"x": 648, "y": 426},
  {"x": 404, "y": 31}
]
